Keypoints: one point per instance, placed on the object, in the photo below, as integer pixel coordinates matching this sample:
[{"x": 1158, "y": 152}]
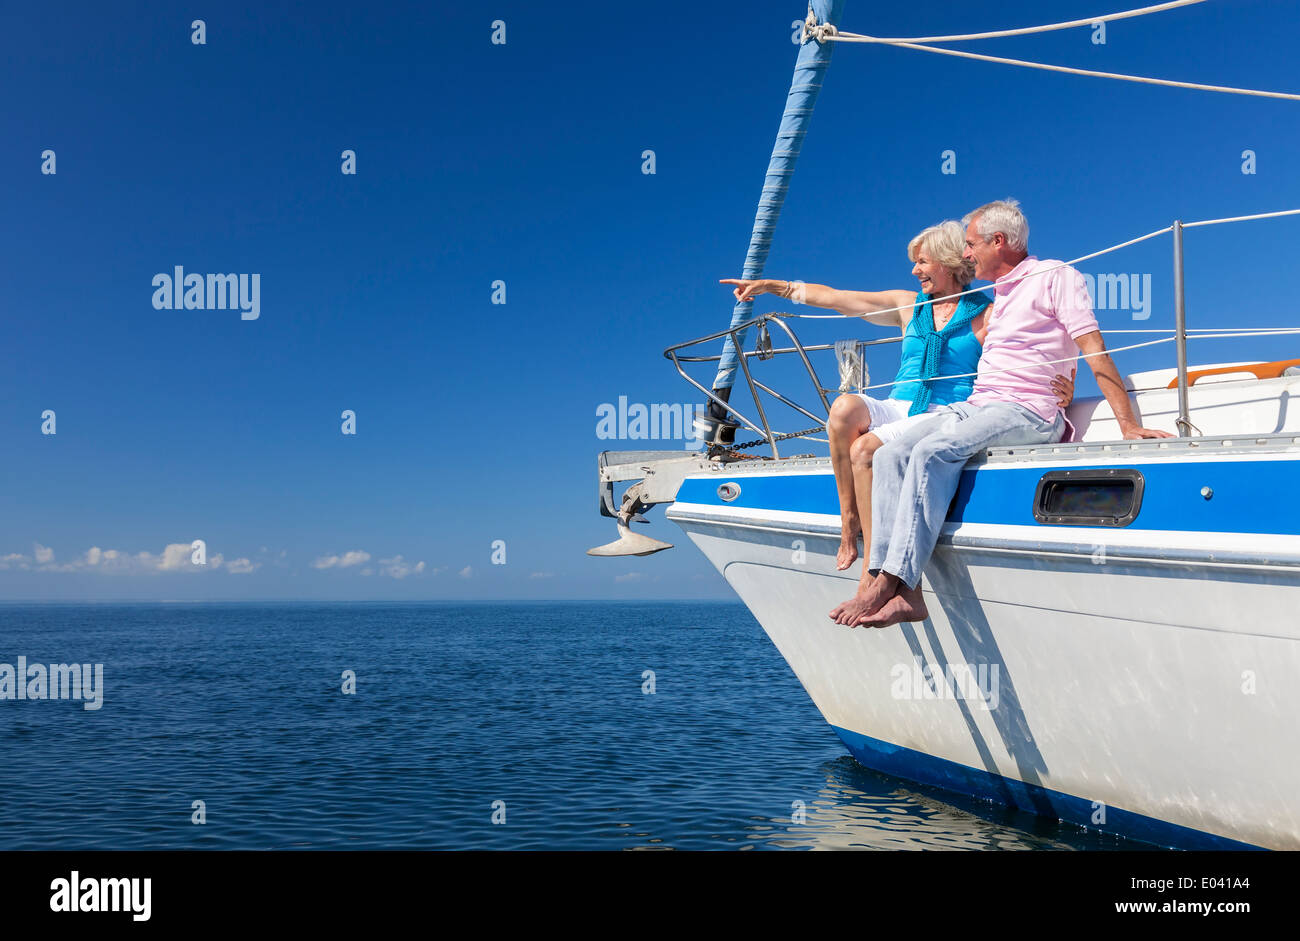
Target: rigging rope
[
  {"x": 1217, "y": 333},
  {"x": 1033, "y": 274},
  {"x": 1280, "y": 331},
  {"x": 1214, "y": 331},
  {"x": 1141, "y": 79},
  {"x": 1259, "y": 215},
  {"x": 1090, "y": 21},
  {"x": 828, "y": 33},
  {"x": 1065, "y": 264}
]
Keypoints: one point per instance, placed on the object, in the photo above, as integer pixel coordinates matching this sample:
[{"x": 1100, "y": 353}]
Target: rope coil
[{"x": 853, "y": 370}]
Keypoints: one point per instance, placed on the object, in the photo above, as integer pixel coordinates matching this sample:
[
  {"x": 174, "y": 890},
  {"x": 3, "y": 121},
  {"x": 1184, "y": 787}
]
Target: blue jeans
[{"x": 916, "y": 475}]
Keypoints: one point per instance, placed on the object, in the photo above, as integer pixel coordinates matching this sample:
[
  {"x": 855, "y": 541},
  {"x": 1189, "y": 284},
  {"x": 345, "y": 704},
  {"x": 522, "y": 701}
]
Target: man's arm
[{"x": 1108, "y": 380}]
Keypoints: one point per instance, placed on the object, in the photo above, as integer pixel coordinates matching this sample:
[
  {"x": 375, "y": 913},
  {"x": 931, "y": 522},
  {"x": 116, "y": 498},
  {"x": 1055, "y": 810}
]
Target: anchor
[
  {"x": 658, "y": 475},
  {"x": 628, "y": 542}
]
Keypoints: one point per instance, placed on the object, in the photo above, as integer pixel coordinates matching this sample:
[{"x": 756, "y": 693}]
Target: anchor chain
[{"x": 774, "y": 439}]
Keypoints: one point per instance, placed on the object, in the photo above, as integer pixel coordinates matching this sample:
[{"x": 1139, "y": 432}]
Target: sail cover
[{"x": 814, "y": 57}]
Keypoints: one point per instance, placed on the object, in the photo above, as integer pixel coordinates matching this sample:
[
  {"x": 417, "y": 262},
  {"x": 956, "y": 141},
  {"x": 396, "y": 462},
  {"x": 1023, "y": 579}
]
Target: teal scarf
[{"x": 968, "y": 308}]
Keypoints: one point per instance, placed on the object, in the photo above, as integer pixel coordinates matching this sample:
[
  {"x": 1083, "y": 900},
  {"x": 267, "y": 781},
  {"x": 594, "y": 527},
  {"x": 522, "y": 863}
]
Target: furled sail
[{"x": 809, "y": 70}]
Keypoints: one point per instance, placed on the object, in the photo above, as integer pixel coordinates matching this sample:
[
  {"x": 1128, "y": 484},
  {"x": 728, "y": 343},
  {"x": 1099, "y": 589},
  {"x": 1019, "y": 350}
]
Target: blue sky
[{"x": 522, "y": 163}]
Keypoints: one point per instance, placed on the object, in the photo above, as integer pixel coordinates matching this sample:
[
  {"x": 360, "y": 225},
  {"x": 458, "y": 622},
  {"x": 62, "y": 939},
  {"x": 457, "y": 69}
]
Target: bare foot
[
  {"x": 908, "y": 606},
  {"x": 848, "y": 553},
  {"x": 867, "y": 601}
]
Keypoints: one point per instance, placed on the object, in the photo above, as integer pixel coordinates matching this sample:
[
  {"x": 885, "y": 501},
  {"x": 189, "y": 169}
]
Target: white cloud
[
  {"x": 629, "y": 577},
  {"x": 466, "y": 572},
  {"x": 175, "y": 557},
  {"x": 109, "y": 560},
  {"x": 346, "y": 560},
  {"x": 397, "y": 567},
  {"x": 542, "y": 575}
]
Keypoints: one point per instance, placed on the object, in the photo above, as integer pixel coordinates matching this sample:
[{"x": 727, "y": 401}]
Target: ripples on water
[{"x": 457, "y": 707}]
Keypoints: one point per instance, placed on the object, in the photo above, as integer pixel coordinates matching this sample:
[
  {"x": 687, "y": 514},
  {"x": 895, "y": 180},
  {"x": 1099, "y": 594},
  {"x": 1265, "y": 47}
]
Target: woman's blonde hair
[{"x": 945, "y": 243}]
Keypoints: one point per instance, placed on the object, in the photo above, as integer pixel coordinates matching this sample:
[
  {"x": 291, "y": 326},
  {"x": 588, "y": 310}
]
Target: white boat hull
[{"x": 1140, "y": 683}]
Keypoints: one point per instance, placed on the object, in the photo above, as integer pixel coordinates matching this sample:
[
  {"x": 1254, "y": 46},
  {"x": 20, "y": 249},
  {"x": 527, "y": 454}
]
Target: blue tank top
[{"x": 959, "y": 353}]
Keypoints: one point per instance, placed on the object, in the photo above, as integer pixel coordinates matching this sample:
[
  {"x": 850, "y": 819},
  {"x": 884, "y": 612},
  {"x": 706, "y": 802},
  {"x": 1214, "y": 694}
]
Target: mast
[{"x": 809, "y": 72}]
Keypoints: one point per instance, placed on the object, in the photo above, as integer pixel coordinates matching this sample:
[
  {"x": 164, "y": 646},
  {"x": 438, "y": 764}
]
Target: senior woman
[{"x": 940, "y": 338}]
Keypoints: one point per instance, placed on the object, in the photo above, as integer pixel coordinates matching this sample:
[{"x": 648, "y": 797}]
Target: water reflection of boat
[{"x": 859, "y": 809}]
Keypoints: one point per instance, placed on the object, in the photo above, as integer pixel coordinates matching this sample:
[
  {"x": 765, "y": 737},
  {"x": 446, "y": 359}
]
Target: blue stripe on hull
[
  {"x": 1241, "y": 500},
  {"x": 927, "y": 769},
  {"x": 1249, "y": 496}
]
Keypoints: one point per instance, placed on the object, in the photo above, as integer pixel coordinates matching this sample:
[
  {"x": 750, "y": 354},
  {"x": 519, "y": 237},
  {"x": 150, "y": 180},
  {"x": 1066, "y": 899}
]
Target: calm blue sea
[{"x": 536, "y": 714}]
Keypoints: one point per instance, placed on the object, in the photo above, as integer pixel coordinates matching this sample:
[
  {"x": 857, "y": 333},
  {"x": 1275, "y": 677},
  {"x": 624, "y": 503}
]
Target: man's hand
[
  {"x": 1112, "y": 386},
  {"x": 1132, "y": 431}
]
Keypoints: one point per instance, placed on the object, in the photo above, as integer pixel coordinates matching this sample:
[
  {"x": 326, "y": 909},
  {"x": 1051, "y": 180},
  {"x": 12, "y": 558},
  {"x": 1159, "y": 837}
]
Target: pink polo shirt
[{"x": 1032, "y": 322}]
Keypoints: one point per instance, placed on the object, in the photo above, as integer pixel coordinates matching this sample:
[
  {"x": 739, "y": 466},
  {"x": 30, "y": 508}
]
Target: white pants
[{"x": 889, "y": 417}]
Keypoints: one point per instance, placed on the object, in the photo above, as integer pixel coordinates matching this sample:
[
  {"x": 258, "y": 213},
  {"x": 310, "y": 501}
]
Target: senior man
[{"x": 1039, "y": 316}]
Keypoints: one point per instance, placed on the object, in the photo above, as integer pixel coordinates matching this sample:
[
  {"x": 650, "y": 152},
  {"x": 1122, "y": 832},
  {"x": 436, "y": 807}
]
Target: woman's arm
[
  {"x": 1064, "y": 388},
  {"x": 865, "y": 304}
]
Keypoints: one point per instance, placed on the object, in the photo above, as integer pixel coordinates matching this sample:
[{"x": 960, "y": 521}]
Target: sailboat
[{"x": 1112, "y": 638}]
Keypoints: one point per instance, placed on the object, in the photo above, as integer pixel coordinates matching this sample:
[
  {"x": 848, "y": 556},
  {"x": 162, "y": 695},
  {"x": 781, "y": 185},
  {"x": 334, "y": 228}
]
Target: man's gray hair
[{"x": 1002, "y": 216}]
